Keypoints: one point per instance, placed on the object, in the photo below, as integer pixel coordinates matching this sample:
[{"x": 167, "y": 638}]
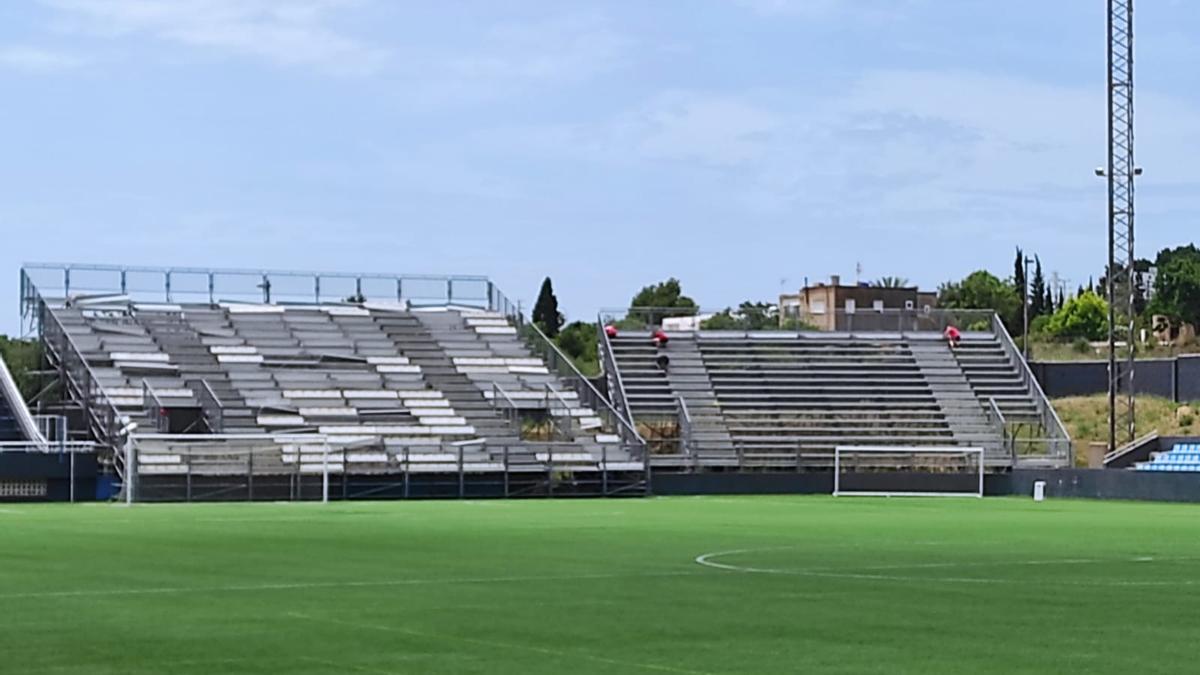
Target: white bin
[{"x": 1039, "y": 490}]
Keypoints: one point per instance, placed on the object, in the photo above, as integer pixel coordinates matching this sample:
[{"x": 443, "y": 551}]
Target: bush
[
  {"x": 1081, "y": 345},
  {"x": 1084, "y": 316}
]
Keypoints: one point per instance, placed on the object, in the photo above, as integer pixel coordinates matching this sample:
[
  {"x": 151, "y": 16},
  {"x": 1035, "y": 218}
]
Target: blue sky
[{"x": 740, "y": 145}]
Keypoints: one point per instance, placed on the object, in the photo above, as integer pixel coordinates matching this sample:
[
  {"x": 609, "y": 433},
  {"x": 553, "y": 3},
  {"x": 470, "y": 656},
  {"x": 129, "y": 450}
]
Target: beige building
[{"x": 834, "y": 306}]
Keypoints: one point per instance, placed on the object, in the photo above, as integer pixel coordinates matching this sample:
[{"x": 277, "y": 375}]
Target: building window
[
  {"x": 850, "y": 305},
  {"x": 877, "y": 305},
  {"x": 817, "y": 307},
  {"x": 908, "y": 304}
]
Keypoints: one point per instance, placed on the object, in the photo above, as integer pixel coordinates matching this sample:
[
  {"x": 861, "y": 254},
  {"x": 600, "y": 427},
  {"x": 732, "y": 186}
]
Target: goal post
[{"x": 907, "y": 471}]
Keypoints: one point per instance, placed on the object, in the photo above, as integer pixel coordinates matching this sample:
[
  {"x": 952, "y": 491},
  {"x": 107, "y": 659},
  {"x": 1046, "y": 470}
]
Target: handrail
[
  {"x": 153, "y": 406},
  {"x": 77, "y": 447},
  {"x": 610, "y": 366},
  {"x": 685, "y": 426},
  {"x": 98, "y": 408},
  {"x": 210, "y": 401},
  {"x": 1130, "y": 446},
  {"x": 512, "y": 415},
  {"x": 16, "y": 402},
  {"x": 556, "y": 420},
  {"x": 1050, "y": 419},
  {"x": 593, "y": 397},
  {"x": 1007, "y": 444}
]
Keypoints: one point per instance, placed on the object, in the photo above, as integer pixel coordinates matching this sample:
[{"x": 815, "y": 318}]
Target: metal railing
[
  {"x": 616, "y": 385},
  {"x": 560, "y": 413},
  {"x": 561, "y": 365},
  {"x": 1058, "y": 441},
  {"x": 211, "y": 406},
  {"x": 153, "y": 406},
  {"x": 857, "y": 321},
  {"x": 170, "y": 467},
  {"x": 507, "y": 408},
  {"x": 103, "y": 418},
  {"x": 1132, "y": 446},
  {"x": 211, "y": 285},
  {"x": 685, "y": 428},
  {"x": 998, "y": 422}
]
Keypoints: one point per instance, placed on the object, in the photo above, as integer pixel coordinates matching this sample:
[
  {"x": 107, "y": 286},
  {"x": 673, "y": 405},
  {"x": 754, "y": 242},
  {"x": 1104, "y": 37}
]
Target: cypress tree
[{"x": 545, "y": 311}]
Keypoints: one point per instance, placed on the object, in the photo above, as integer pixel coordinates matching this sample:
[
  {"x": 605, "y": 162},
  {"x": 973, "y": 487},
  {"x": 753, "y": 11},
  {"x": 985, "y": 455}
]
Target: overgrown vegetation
[
  {"x": 579, "y": 340},
  {"x": 1086, "y": 418}
]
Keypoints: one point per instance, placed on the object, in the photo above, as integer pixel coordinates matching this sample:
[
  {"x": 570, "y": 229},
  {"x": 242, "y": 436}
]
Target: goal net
[{"x": 898, "y": 471}]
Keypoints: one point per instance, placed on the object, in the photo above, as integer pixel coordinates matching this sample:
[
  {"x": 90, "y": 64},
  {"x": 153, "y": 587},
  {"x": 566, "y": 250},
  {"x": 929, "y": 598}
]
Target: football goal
[{"x": 899, "y": 471}]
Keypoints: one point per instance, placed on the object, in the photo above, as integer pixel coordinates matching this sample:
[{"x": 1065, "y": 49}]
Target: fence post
[
  {"x": 325, "y": 474},
  {"x": 130, "y": 470},
  {"x": 604, "y": 469},
  {"x": 406, "y": 466},
  {"x": 461, "y": 483},
  {"x": 250, "y": 474},
  {"x": 506, "y": 470}
]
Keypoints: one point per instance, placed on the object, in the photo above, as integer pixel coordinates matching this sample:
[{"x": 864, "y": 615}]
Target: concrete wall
[
  {"x": 1177, "y": 379},
  {"x": 1082, "y": 483},
  {"x": 55, "y": 469}
]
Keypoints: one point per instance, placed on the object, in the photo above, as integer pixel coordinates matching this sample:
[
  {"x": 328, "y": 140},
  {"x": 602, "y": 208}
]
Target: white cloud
[
  {"x": 284, "y": 32},
  {"x": 510, "y": 58},
  {"x": 36, "y": 59},
  {"x": 872, "y": 10}
]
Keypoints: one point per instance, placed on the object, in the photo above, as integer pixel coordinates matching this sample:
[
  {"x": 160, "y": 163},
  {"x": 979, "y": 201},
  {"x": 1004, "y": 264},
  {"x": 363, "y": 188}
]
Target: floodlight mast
[{"x": 1121, "y": 275}]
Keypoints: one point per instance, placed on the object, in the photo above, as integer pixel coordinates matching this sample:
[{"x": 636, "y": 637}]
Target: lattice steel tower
[{"x": 1121, "y": 171}]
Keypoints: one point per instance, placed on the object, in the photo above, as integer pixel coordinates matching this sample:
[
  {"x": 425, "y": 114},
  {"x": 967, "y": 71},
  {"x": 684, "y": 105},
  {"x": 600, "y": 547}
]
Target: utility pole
[{"x": 1120, "y": 172}]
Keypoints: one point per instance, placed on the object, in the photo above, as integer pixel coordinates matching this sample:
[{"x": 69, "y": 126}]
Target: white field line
[
  {"x": 495, "y": 644},
  {"x": 302, "y": 585},
  {"x": 707, "y": 560},
  {"x": 343, "y": 666}
]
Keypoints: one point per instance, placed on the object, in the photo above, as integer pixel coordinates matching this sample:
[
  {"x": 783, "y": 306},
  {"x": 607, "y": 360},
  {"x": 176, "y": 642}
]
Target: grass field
[{"x": 805, "y": 584}]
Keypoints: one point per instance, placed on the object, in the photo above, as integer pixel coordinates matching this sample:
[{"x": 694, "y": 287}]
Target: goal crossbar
[{"x": 901, "y": 450}]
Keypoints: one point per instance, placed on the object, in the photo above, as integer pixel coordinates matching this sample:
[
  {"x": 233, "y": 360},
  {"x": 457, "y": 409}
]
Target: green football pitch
[{"x": 668, "y": 585}]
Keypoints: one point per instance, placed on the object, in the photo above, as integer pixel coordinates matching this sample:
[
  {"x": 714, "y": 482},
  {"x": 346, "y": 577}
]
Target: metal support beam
[{"x": 1120, "y": 273}]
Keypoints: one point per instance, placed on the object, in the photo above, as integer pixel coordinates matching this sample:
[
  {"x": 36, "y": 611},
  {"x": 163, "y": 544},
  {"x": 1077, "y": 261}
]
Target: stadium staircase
[
  {"x": 778, "y": 400},
  {"x": 494, "y": 368}
]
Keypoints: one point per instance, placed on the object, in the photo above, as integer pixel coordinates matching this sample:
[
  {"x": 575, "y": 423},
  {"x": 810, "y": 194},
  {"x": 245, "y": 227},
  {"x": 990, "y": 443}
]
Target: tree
[
  {"x": 1084, "y": 316},
  {"x": 1048, "y": 306},
  {"x": 578, "y": 340},
  {"x": 891, "y": 282},
  {"x": 1019, "y": 271},
  {"x": 1177, "y": 286},
  {"x": 1037, "y": 291},
  {"x": 654, "y": 303},
  {"x": 545, "y": 311},
  {"x": 749, "y": 316},
  {"x": 982, "y": 290},
  {"x": 22, "y": 358}
]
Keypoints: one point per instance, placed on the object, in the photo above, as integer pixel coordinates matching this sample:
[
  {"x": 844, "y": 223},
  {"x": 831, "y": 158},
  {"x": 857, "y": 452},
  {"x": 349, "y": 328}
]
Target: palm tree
[{"x": 890, "y": 282}]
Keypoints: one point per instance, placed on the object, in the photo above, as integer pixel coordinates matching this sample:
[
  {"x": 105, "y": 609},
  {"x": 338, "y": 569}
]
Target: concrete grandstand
[
  {"x": 248, "y": 384},
  {"x": 784, "y": 399}
]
